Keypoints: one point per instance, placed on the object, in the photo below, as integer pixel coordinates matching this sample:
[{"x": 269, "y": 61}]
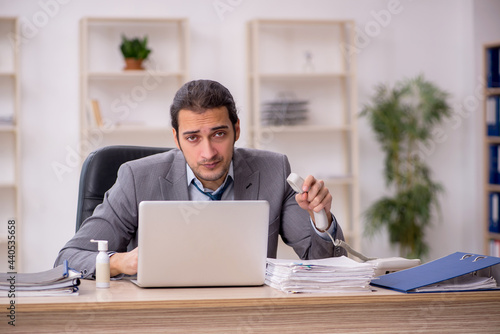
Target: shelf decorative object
[
  {"x": 308, "y": 66},
  {"x": 135, "y": 51},
  {"x": 404, "y": 118}
]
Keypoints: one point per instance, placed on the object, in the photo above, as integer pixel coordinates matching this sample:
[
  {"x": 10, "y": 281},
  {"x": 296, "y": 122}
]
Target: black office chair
[{"x": 99, "y": 173}]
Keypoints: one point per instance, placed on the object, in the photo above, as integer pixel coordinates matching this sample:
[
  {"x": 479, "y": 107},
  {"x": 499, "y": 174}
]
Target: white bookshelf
[
  {"x": 134, "y": 103},
  {"x": 10, "y": 187},
  {"x": 280, "y": 55},
  {"x": 490, "y": 93}
]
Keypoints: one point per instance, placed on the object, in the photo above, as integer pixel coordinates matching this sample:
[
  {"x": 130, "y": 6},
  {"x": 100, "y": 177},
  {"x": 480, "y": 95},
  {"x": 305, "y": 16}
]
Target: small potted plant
[{"x": 135, "y": 51}]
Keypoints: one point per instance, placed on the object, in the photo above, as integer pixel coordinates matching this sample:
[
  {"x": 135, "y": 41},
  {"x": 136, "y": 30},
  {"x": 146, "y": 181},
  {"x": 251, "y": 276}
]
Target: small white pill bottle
[{"x": 102, "y": 264}]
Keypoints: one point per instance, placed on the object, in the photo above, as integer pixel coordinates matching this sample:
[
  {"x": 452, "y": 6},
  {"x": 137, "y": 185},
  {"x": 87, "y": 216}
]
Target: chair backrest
[{"x": 99, "y": 173}]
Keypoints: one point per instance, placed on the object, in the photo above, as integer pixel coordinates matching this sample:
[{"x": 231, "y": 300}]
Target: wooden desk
[{"x": 125, "y": 308}]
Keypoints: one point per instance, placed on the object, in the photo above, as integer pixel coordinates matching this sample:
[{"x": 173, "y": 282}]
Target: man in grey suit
[{"x": 206, "y": 166}]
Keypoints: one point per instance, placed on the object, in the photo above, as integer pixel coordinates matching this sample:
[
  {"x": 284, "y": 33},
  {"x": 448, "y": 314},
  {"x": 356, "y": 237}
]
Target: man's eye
[
  {"x": 191, "y": 138},
  {"x": 219, "y": 134}
]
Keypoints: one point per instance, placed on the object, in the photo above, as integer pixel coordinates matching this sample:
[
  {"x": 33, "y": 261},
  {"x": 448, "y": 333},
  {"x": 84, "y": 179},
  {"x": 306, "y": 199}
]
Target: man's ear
[
  {"x": 237, "y": 130},
  {"x": 176, "y": 139}
]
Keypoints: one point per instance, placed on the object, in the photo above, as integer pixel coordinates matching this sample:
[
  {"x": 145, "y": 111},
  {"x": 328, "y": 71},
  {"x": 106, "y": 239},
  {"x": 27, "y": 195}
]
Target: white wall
[{"x": 436, "y": 38}]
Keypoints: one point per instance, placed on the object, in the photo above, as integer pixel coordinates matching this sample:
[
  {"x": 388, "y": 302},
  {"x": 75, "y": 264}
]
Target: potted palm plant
[
  {"x": 404, "y": 118},
  {"x": 135, "y": 51}
]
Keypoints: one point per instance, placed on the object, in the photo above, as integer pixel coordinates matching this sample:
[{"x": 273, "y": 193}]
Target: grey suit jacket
[{"x": 258, "y": 175}]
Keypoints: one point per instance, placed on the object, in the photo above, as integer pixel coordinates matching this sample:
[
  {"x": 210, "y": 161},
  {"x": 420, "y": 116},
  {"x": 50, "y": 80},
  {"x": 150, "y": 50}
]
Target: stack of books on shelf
[
  {"x": 285, "y": 111},
  {"x": 6, "y": 120},
  {"x": 493, "y": 129},
  {"x": 60, "y": 280},
  {"x": 492, "y": 96},
  {"x": 330, "y": 275}
]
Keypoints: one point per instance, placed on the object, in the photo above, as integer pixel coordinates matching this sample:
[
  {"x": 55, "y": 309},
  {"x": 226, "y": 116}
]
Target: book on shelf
[
  {"x": 95, "y": 115},
  {"x": 493, "y": 67},
  {"x": 495, "y": 247},
  {"x": 493, "y": 116},
  {"x": 493, "y": 206},
  {"x": 494, "y": 174},
  {"x": 61, "y": 280}
]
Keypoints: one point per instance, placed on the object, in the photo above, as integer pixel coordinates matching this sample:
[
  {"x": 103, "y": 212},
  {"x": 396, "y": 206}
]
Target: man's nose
[{"x": 208, "y": 151}]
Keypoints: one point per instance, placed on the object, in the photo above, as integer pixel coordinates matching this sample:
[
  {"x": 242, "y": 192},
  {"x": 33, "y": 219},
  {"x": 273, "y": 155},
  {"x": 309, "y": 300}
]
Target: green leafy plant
[
  {"x": 404, "y": 118},
  {"x": 135, "y": 48}
]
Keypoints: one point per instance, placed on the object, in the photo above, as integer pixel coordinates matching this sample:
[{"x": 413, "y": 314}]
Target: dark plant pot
[{"x": 133, "y": 64}]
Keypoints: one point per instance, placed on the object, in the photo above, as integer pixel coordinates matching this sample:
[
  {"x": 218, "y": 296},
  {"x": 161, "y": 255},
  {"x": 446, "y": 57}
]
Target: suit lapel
[
  {"x": 174, "y": 185},
  {"x": 246, "y": 181}
]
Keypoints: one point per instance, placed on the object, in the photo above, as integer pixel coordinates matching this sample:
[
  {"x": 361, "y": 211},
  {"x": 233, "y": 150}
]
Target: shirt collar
[{"x": 190, "y": 177}]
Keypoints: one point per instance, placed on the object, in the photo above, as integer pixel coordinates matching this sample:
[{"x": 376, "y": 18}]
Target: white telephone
[
  {"x": 392, "y": 264},
  {"x": 382, "y": 266},
  {"x": 296, "y": 183}
]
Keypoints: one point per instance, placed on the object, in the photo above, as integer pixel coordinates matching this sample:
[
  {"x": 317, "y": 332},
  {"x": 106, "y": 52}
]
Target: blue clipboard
[{"x": 448, "y": 267}]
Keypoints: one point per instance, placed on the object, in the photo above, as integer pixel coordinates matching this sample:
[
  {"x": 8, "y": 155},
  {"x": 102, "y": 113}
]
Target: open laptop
[{"x": 206, "y": 243}]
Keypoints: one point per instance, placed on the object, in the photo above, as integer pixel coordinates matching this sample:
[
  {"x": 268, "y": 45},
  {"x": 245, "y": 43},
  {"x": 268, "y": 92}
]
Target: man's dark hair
[{"x": 200, "y": 95}]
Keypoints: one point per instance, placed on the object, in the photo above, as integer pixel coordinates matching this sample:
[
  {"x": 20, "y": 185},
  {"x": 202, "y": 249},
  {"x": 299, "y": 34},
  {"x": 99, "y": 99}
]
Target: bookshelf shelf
[
  {"x": 8, "y": 128},
  {"x": 494, "y": 236},
  {"x": 131, "y": 129},
  {"x": 301, "y": 76},
  {"x": 493, "y": 188},
  {"x": 491, "y": 147},
  {"x": 340, "y": 180},
  {"x": 493, "y": 139},
  {"x": 5, "y": 184},
  {"x": 134, "y": 103},
  {"x": 134, "y": 74},
  {"x": 305, "y": 129},
  {"x": 297, "y": 65},
  {"x": 492, "y": 92}
]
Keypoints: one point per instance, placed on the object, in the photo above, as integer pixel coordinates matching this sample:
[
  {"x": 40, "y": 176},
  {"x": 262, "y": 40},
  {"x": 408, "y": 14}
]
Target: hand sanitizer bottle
[{"x": 102, "y": 264}]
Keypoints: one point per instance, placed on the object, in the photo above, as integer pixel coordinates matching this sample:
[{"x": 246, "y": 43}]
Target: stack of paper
[
  {"x": 461, "y": 283},
  {"x": 61, "y": 280},
  {"x": 337, "y": 274}
]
